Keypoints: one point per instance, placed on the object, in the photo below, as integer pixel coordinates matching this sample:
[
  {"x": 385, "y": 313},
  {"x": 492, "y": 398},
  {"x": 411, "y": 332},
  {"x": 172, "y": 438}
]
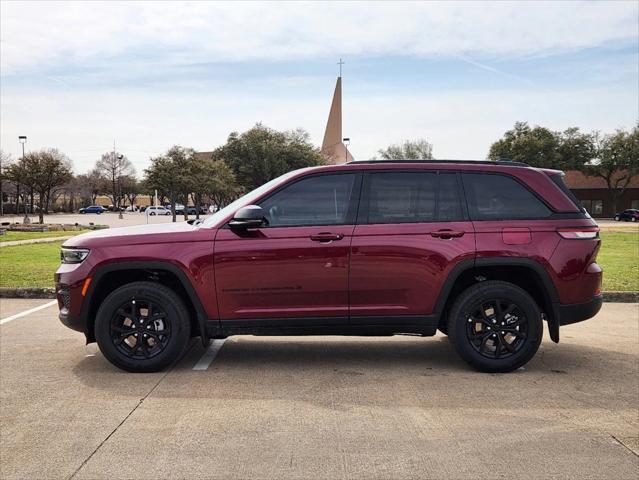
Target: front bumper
[{"x": 578, "y": 312}]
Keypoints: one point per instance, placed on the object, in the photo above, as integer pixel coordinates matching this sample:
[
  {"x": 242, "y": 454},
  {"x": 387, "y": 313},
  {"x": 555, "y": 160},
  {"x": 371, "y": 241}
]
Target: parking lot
[{"x": 319, "y": 407}]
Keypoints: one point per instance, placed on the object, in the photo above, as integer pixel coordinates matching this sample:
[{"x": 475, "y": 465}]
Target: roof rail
[{"x": 508, "y": 163}]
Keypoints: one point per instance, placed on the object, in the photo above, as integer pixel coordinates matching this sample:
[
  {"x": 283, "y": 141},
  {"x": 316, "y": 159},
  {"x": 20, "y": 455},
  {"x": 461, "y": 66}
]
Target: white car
[{"x": 157, "y": 211}]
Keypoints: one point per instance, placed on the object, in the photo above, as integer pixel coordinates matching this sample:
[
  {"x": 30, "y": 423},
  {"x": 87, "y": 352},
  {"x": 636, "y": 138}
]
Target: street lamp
[
  {"x": 23, "y": 139},
  {"x": 119, "y": 157},
  {"x": 347, "y": 142}
]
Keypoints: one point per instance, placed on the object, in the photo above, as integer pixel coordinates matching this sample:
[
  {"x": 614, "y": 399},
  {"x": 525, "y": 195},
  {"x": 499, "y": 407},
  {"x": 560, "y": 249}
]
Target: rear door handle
[
  {"x": 447, "y": 234},
  {"x": 326, "y": 237}
]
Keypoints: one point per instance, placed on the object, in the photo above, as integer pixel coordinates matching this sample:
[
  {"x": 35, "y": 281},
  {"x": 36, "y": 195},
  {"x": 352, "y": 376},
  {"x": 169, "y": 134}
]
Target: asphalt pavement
[{"x": 319, "y": 407}]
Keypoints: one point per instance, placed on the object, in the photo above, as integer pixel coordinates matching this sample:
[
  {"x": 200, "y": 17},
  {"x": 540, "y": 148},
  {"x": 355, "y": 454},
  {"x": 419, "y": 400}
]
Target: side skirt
[{"x": 358, "y": 326}]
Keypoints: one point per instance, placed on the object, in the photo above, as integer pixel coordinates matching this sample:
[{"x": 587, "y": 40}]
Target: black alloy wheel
[
  {"x": 139, "y": 329},
  {"x": 142, "y": 327},
  {"x": 495, "y": 326}
]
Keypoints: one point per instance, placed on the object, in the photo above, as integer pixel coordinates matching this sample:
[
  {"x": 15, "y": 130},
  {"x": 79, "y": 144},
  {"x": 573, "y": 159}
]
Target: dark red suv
[{"x": 482, "y": 251}]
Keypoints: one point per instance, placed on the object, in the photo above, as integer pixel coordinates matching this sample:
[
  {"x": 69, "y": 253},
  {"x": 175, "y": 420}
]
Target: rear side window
[
  {"x": 559, "y": 181},
  {"x": 316, "y": 200},
  {"x": 412, "y": 197},
  {"x": 499, "y": 197}
]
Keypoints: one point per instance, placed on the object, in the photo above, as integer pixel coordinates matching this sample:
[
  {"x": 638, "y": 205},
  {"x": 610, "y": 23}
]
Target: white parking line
[
  {"x": 27, "y": 312},
  {"x": 208, "y": 357}
]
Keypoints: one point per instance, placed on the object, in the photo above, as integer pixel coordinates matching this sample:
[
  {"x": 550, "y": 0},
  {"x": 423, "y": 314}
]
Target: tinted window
[
  {"x": 316, "y": 200},
  {"x": 410, "y": 197},
  {"x": 494, "y": 197}
]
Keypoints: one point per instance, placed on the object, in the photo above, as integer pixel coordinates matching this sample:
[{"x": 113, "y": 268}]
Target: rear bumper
[{"x": 578, "y": 312}]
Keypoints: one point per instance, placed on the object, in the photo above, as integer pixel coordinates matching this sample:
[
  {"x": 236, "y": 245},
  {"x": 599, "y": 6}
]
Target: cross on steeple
[{"x": 340, "y": 63}]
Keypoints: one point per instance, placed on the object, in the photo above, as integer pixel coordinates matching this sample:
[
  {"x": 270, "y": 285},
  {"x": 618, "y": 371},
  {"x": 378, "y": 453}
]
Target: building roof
[
  {"x": 575, "y": 180},
  {"x": 203, "y": 155}
]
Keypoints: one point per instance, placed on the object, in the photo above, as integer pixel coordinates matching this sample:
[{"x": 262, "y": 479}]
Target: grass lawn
[
  {"x": 619, "y": 258},
  {"x": 11, "y": 236},
  {"x": 29, "y": 265},
  {"x": 33, "y": 265}
]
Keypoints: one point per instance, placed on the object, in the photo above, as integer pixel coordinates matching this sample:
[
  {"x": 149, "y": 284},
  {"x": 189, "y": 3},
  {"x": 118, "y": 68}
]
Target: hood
[{"x": 142, "y": 234}]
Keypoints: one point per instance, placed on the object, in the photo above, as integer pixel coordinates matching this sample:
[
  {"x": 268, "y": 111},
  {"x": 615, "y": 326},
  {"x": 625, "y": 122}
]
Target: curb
[{"x": 5, "y": 292}]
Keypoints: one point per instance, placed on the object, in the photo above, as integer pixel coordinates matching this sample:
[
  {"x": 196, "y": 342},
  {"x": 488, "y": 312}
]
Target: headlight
[{"x": 73, "y": 255}]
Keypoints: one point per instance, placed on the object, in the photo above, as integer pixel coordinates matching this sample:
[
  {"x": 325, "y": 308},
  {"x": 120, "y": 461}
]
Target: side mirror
[{"x": 251, "y": 216}]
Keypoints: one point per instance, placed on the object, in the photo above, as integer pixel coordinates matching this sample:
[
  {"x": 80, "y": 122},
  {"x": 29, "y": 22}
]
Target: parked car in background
[
  {"x": 132, "y": 208},
  {"x": 629, "y": 215},
  {"x": 485, "y": 252},
  {"x": 159, "y": 210},
  {"x": 93, "y": 209},
  {"x": 213, "y": 208}
]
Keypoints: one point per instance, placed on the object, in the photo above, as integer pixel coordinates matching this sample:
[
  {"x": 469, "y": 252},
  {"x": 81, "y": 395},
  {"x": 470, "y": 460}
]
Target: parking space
[{"x": 319, "y": 407}]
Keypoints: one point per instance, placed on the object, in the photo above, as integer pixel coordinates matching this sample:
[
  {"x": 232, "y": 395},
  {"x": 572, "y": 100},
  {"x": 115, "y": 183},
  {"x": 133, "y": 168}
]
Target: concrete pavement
[{"x": 320, "y": 407}]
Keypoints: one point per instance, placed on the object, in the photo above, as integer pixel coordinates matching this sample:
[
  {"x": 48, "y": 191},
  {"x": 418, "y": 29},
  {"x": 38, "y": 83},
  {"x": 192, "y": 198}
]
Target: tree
[
  {"x": 171, "y": 175},
  {"x": 538, "y": 146},
  {"x": 44, "y": 171},
  {"x": 261, "y": 154},
  {"x": 214, "y": 179},
  {"x": 113, "y": 166},
  {"x": 617, "y": 161},
  {"x": 130, "y": 188},
  {"x": 5, "y": 160},
  {"x": 419, "y": 149},
  {"x": 541, "y": 147}
]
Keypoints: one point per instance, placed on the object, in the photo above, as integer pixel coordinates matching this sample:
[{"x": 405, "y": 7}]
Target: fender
[
  {"x": 551, "y": 298},
  {"x": 100, "y": 271}
]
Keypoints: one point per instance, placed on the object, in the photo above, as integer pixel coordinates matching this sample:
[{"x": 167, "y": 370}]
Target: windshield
[{"x": 247, "y": 199}]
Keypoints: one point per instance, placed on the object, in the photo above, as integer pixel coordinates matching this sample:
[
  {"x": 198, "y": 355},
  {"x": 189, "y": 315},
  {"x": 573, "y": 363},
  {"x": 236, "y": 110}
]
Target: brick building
[{"x": 593, "y": 194}]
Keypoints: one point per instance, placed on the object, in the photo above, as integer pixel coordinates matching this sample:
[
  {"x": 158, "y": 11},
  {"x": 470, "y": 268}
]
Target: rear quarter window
[{"x": 500, "y": 197}]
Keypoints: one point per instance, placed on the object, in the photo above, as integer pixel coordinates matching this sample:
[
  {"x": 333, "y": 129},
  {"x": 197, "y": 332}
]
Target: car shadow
[{"x": 342, "y": 372}]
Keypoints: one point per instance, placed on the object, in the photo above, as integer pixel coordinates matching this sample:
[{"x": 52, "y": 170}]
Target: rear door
[{"x": 412, "y": 229}]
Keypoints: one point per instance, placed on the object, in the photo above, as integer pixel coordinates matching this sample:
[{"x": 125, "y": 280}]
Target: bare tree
[
  {"x": 113, "y": 167},
  {"x": 44, "y": 172},
  {"x": 5, "y": 160}
]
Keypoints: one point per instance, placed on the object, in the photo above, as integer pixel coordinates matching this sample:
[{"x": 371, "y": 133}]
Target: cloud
[{"x": 39, "y": 36}]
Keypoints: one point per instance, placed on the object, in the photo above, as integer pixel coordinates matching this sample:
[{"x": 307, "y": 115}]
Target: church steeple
[{"x": 333, "y": 146}]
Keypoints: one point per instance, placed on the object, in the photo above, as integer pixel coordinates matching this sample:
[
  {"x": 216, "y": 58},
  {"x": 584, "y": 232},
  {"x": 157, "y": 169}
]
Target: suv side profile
[{"x": 483, "y": 251}]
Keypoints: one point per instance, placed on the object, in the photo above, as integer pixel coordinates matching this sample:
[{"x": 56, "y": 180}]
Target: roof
[
  {"x": 508, "y": 163},
  {"x": 576, "y": 180},
  {"x": 203, "y": 155}
]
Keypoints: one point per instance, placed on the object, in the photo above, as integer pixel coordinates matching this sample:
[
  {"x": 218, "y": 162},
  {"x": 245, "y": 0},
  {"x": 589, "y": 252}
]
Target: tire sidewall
[
  {"x": 176, "y": 315},
  {"x": 491, "y": 290}
]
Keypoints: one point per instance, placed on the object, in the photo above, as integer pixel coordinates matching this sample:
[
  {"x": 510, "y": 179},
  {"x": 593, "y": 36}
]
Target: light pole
[
  {"x": 23, "y": 139},
  {"x": 347, "y": 142}
]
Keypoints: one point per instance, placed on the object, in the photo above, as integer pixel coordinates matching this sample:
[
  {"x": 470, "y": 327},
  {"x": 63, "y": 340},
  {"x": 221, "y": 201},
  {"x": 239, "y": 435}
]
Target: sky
[{"x": 79, "y": 76}]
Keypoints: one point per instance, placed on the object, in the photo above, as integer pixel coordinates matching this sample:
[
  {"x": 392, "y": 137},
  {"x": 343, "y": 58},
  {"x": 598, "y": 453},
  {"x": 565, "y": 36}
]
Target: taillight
[{"x": 579, "y": 233}]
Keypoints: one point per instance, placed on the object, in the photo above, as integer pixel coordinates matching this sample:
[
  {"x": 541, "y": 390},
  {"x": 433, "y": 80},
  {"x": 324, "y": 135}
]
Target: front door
[{"x": 294, "y": 271}]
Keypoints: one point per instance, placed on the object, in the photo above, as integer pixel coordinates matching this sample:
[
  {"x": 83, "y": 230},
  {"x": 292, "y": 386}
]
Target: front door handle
[
  {"x": 326, "y": 237},
  {"x": 447, "y": 234}
]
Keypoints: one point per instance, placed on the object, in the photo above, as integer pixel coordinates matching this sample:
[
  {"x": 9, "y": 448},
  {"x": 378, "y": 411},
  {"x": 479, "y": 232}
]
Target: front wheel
[
  {"x": 617, "y": 218},
  {"x": 495, "y": 326},
  {"x": 634, "y": 219},
  {"x": 142, "y": 327}
]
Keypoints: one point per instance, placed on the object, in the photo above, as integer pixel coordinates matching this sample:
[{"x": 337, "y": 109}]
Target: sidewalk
[{"x": 34, "y": 240}]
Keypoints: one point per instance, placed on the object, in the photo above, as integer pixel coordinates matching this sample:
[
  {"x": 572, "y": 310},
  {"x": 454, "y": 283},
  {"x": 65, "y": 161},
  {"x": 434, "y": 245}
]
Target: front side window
[
  {"x": 315, "y": 200},
  {"x": 499, "y": 197},
  {"x": 413, "y": 197}
]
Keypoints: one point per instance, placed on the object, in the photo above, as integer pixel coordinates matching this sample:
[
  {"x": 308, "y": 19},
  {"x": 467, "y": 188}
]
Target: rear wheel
[
  {"x": 495, "y": 326},
  {"x": 617, "y": 218},
  {"x": 142, "y": 327}
]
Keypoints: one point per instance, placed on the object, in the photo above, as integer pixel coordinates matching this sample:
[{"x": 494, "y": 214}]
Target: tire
[
  {"x": 633, "y": 219},
  {"x": 152, "y": 214},
  {"x": 155, "y": 351},
  {"x": 617, "y": 218},
  {"x": 474, "y": 335}
]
